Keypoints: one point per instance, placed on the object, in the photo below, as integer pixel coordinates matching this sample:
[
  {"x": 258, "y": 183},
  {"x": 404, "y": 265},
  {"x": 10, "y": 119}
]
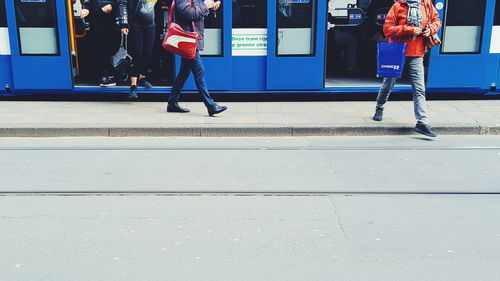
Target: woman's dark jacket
[
  {"x": 185, "y": 15},
  {"x": 128, "y": 10}
]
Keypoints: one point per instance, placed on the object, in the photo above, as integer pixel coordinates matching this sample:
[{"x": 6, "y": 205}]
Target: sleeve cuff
[{"x": 205, "y": 9}]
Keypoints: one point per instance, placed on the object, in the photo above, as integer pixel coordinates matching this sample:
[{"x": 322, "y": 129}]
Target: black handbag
[{"x": 121, "y": 60}]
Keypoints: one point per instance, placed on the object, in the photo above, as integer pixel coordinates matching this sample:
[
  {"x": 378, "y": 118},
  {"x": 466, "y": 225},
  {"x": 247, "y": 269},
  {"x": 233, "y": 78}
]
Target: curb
[{"x": 240, "y": 131}]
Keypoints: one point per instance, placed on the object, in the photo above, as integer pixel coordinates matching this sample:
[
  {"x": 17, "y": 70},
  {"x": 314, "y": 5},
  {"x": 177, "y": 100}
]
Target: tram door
[
  {"x": 463, "y": 58},
  {"x": 296, "y": 44},
  {"x": 265, "y": 44},
  {"x": 39, "y": 43}
]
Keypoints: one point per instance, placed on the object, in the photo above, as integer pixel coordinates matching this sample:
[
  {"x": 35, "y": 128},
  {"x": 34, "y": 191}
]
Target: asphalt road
[
  {"x": 343, "y": 164},
  {"x": 294, "y": 209}
]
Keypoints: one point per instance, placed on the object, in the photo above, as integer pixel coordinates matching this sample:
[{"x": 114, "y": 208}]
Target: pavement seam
[{"x": 338, "y": 216}]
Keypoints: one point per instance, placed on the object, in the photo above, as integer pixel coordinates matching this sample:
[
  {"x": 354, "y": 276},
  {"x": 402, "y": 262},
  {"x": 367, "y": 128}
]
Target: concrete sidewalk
[{"x": 49, "y": 119}]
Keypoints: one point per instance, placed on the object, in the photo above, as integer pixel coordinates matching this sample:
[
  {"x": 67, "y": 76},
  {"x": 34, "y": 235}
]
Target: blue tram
[{"x": 275, "y": 46}]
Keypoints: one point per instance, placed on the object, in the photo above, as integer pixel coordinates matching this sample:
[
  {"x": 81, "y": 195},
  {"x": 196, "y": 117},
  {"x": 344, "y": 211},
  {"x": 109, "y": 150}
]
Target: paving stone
[{"x": 330, "y": 118}]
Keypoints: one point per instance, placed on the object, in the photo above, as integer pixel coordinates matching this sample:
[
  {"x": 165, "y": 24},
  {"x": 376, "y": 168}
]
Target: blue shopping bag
[{"x": 391, "y": 59}]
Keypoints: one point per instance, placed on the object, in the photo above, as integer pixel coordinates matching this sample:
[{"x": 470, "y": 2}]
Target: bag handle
[
  {"x": 123, "y": 42},
  {"x": 428, "y": 12},
  {"x": 172, "y": 12}
]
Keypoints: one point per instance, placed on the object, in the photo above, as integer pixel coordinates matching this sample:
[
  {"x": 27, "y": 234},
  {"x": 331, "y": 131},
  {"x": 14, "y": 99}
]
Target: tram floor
[{"x": 357, "y": 82}]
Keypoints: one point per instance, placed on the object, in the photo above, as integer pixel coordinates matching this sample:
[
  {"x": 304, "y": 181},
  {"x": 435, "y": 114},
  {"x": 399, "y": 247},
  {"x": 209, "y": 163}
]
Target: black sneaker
[
  {"x": 144, "y": 83},
  {"x": 133, "y": 92},
  {"x": 379, "y": 113},
  {"x": 107, "y": 81},
  {"x": 424, "y": 129}
]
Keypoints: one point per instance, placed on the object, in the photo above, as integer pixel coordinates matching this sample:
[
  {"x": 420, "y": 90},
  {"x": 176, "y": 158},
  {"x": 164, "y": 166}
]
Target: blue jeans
[
  {"x": 196, "y": 66},
  {"x": 417, "y": 74}
]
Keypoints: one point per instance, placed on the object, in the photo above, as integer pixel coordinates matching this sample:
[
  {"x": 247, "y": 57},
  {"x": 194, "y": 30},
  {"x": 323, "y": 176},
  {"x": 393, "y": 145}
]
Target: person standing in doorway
[
  {"x": 411, "y": 21},
  {"x": 137, "y": 17},
  {"x": 187, "y": 12}
]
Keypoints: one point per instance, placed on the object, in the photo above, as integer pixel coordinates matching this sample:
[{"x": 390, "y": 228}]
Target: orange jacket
[{"x": 396, "y": 21}]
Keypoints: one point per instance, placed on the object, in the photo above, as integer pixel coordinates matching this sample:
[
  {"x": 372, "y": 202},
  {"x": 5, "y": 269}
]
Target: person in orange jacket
[{"x": 411, "y": 21}]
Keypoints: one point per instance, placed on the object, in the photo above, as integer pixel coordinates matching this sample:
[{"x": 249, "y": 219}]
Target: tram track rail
[
  {"x": 245, "y": 148},
  {"x": 243, "y": 193}
]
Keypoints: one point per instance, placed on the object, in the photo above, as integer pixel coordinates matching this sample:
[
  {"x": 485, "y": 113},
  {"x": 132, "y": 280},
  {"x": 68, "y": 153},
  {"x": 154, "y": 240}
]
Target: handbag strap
[
  {"x": 165, "y": 19},
  {"x": 172, "y": 12},
  {"x": 428, "y": 12},
  {"x": 123, "y": 42}
]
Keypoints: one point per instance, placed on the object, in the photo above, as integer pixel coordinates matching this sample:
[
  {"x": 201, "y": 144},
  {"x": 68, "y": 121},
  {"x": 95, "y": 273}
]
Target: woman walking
[
  {"x": 137, "y": 20},
  {"x": 411, "y": 21},
  {"x": 187, "y": 12}
]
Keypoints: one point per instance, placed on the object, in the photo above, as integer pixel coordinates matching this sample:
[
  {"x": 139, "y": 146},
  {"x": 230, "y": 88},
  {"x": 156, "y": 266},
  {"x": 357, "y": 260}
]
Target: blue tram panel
[{"x": 467, "y": 44}]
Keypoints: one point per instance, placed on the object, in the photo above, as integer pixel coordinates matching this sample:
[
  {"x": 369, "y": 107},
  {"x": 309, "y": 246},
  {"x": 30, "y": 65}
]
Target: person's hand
[
  {"x": 417, "y": 30},
  {"x": 210, "y": 4},
  {"x": 107, "y": 9},
  {"x": 84, "y": 13},
  {"x": 216, "y": 5},
  {"x": 426, "y": 32},
  {"x": 124, "y": 31}
]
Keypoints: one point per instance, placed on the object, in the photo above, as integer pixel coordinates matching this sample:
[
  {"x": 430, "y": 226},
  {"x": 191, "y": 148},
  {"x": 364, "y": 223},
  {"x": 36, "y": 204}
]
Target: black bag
[{"x": 121, "y": 60}]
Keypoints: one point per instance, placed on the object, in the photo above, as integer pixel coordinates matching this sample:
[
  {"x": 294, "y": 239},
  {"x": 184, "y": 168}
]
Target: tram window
[
  {"x": 249, "y": 36},
  {"x": 213, "y": 33},
  {"x": 249, "y": 13},
  {"x": 463, "y": 26},
  {"x": 295, "y": 23},
  {"x": 37, "y": 27},
  {"x": 497, "y": 14},
  {"x": 3, "y": 15}
]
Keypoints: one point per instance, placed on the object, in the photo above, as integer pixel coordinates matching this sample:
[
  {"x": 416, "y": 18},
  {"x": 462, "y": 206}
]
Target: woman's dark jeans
[
  {"x": 196, "y": 66},
  {"x": 140, "y": 47}
]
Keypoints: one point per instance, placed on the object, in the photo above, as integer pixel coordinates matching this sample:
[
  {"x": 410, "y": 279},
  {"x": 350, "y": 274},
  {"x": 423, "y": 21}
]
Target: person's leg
[
  {"x": 383, "y": 96},
  {"x": 179, "y": 81},
  {"x": 135, "y": 49},
  {"x": 417, "y": 75},
  {"x": 385, "y": 91},
  {"x": 111, "y": 43},
  {"x": 147, "y": 53},
  {"x": 101, "y": 30},
  {"x": 199, "y": 78}
]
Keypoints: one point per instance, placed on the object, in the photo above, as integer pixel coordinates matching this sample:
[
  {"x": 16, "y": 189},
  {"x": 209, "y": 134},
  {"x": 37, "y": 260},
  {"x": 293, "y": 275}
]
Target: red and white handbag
[{"x": 178, "y": 41}]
